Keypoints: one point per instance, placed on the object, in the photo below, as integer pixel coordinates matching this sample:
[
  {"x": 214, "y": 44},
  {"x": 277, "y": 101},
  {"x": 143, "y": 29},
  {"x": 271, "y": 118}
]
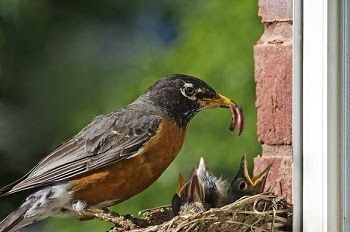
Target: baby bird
[
  {"x": 189, "y": 197},
  {"x": 204, "y": 190},
  {"x": 201, "y": 192},
  {"x": 215, "y": 189},
  {"x": 243, "y": 185}
]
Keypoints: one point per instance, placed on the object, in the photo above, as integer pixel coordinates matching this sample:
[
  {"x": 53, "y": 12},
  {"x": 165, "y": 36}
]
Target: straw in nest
[{"x": 262, "y": 212}]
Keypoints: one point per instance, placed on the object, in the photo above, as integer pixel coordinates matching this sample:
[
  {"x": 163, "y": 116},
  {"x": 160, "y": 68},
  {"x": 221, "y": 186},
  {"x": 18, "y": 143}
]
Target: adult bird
[{"x": 116, "y": 156}]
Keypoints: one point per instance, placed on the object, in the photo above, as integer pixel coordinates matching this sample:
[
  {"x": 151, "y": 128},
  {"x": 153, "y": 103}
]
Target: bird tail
[
  {"x": 15, "y": 221},
  {"x": 39, "y": 205}
]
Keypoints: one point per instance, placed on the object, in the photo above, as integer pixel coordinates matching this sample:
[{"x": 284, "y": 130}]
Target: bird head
[
  {"x": 203, "y": 190},
  {"x": 180, "y": 97},
  {"x": 244, "y": 185},
  {"x": 190, "y": 196},
  {"x": 215, "y": 189}
]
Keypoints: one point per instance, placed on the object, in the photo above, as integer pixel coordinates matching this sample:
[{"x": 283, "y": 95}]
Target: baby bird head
[{"x": 244, "y": 185}]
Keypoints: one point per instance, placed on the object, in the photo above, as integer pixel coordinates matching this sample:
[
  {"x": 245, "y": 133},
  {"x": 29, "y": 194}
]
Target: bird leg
[{"x": 86, "y": 212}]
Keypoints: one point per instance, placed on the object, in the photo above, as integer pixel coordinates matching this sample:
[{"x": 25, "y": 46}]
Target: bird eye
[
  {"x": 189, "y": 91},
  {"x": 242, "y": 185}
]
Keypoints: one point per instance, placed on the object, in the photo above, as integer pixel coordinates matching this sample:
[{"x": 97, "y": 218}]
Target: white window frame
[
  {"x": 319, "y": 117},
  {"x": 347, "y": 115}
]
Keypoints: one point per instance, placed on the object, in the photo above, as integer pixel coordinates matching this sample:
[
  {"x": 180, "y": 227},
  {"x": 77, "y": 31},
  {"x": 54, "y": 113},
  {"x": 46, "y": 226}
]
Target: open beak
[
  {"x": 190, "y": 190},
  {"x": 203, "y": 170},
  {"x": 256, "y": 183},
  {"x": 223, "y": 102},
  {"x": 181, "y": 182}
]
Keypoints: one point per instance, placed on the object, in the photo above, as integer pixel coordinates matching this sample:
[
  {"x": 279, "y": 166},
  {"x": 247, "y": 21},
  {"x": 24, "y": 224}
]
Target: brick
[
  {"x": 280, "y": 175},
  {"x": 277, "y": 150},
  {"x": 273, "y": 77},
  {"x": 277, "y": 33},
  {"x": 275, "y": 10}
]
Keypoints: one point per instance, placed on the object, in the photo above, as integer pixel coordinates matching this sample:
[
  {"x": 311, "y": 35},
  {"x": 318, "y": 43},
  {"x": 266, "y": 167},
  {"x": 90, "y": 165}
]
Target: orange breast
[{"x": 121, "y": 180}]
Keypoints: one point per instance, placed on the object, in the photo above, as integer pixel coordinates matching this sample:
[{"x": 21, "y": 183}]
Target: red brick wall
[{"x": 273, "y": 77}]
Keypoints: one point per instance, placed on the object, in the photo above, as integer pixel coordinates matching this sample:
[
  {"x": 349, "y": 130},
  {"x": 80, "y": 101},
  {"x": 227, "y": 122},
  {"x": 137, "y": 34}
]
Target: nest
[{"x": 262, "y": 212}]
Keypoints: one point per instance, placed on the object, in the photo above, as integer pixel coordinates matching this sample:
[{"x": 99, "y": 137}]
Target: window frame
[
  {"x": 319, "y": 118},
  {"x": 347, "y": 116}
]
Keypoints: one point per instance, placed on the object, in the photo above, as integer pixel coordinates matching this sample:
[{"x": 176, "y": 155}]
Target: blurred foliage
[{"x": 64, "y": 62}]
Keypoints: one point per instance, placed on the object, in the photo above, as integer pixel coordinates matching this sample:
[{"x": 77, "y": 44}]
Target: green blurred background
[{"x": 64, "y": 62}]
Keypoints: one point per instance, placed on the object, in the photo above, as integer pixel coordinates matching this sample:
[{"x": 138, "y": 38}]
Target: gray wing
[{"x": 107, "y": 139}]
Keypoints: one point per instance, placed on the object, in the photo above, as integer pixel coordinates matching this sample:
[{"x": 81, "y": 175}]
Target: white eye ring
[
  {"x": 186, "y": 88},
  {"x": 189, "y": 91}
]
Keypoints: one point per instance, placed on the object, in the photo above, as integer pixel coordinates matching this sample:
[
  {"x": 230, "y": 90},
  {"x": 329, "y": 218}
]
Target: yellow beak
[
  {"x": 257, "y": 180},
  {"x": 217, "y": 101},
  {"x": 181, "y": 182},
  {"x": 224, "y": 102}
]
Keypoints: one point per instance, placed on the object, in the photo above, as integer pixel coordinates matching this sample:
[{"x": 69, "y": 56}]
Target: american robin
[
  {"x": 190, "y": 196},
  {"x": 116, "y": 156},
  {"x": 211, "y": 192},
  {"x": 244, "y": 185},
  {"x": 215, "y": 189},
  {"x": 203, "y": 190}
]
